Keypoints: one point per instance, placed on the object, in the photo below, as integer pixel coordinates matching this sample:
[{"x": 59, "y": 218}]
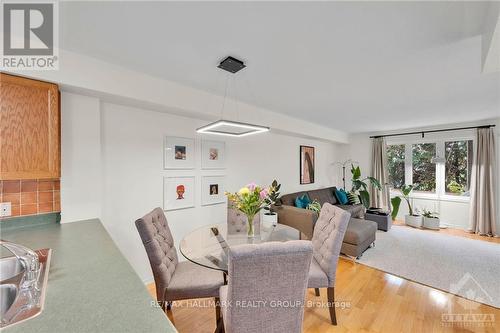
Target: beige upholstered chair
[
  {"x": 266, "y": 287},
  {"x": 327, "y": 240},
  {"x": 174, "y": 280}
]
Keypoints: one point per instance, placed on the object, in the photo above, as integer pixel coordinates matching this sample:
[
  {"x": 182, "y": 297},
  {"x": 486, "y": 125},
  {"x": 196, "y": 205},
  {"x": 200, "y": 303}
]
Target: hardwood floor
[{"x": 374, "y": 301}]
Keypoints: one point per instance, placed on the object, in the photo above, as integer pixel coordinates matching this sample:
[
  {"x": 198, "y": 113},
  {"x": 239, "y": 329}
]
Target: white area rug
[{"x": 465, "y": 267}]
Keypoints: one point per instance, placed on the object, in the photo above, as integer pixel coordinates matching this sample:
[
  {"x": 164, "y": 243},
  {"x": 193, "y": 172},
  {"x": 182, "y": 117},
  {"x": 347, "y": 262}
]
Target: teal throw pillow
[
  {"x": 303, "y": 201},
  {"x": 341, "y": 196}
]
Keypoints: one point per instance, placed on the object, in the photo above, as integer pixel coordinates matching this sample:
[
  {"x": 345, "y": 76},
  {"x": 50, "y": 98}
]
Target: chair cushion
[
  {"x": 357, "y": 211},
  {"x": 322, "y": 196},
  {"x": 359, "y": 230},
  {"x": 193, "y": 281},
  {"x": 317, "y": 278}
]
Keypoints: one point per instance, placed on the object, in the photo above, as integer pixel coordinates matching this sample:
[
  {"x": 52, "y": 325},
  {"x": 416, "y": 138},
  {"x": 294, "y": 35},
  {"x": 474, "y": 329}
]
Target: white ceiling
[{"x": 357, "y": 67}]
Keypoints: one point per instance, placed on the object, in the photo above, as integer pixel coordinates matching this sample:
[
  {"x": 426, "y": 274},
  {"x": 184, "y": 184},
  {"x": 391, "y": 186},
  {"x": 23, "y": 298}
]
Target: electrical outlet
[{"x": 5, "y": 209}]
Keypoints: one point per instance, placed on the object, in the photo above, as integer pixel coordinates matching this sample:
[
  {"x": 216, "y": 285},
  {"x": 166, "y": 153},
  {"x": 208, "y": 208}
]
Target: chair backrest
[
  {"x": 266, "y": 287},
  {"x": 327, "y": 238},
  {"x": 159, "y": 244}
]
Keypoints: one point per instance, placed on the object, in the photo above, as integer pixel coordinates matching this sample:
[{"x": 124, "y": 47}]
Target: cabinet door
[{"x": 29, "y": 129}]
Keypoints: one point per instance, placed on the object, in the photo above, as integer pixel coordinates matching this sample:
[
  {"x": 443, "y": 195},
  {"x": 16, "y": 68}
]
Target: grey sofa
[{"x": 360, "y": 233}]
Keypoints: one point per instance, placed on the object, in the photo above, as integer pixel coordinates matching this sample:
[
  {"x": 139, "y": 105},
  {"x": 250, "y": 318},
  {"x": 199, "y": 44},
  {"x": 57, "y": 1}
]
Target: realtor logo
[{"x": 30, "y": 35}]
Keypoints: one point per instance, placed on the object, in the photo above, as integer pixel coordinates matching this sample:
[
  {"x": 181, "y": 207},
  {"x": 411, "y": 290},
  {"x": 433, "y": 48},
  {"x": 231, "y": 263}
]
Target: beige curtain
[
  {"x": 483, "y": 201},
  {"x": 379, "y": 172}
]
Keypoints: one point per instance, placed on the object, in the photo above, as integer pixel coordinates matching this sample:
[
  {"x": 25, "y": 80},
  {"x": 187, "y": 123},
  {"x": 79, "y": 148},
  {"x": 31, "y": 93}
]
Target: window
[
  {"x": 423, "y": 169},
  {"x": 396, "y": 165},
  {"x": 458, "y": 162},
  {"x": 435, "y": 168}
]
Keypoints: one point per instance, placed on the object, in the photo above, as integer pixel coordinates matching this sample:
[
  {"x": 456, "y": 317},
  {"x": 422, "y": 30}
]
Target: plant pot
[
  {"x": 269, "y": 219},
  {"x": 414, "y": 220},
  {"x": 431, "y": 223}
]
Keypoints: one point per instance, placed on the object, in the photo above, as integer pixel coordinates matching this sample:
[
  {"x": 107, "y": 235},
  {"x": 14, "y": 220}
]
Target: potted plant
[
  {"x": 249, "y": 200},
  {"x": 413, "y": 218},
  {"x": 431, "y": 220},
  {"x": 270, "y": 217},
  {"x": 360, "y": 186}
]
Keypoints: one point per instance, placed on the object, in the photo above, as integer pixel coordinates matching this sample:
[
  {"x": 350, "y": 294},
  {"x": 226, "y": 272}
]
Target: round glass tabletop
[{"x": 209, "y": 245}]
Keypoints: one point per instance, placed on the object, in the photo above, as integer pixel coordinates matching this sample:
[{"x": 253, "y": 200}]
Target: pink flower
[
  {"x": 252, "y": 187},
  {"x": 264, "y": 193}
]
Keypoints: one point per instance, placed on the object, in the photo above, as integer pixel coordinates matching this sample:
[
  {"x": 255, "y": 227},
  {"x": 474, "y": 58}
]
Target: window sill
[{"x": 435, "y": 197}]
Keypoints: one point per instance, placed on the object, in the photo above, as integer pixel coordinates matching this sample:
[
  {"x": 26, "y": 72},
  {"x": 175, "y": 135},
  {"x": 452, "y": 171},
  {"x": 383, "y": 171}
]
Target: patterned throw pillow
[{"x": 353, "y": 198}]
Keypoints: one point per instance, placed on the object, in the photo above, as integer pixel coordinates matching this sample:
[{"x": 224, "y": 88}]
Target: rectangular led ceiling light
[{"x": 231, "y": 128}]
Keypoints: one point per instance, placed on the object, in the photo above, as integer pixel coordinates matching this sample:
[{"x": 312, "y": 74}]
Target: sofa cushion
[
  {"x": 355, "y": 210},
  {"x": 289, "y": 199},
  {"x": 359, "y": 230},
  {"x": 322, "y": 196}
]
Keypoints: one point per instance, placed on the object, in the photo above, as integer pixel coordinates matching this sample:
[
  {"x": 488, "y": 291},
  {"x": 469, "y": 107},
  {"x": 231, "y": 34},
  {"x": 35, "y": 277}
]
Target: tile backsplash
[{"x": 32, "y": 196}]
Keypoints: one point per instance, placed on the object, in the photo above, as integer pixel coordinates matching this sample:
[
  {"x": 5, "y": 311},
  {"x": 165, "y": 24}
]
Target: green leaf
[
  {"x": 374, "y": 182},
  {"x": 356, "y": 172},
  {"x": 365, "y": 198},
  {"x": 396, "y": 202}
]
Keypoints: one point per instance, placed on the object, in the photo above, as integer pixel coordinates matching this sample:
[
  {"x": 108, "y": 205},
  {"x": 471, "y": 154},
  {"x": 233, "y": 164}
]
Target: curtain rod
[{"x": 432, "y": 131}]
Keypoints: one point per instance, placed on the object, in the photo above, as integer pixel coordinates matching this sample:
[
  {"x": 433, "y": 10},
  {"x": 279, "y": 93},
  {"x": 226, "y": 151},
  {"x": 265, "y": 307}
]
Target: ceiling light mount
[{"x": 232, "y": 65}]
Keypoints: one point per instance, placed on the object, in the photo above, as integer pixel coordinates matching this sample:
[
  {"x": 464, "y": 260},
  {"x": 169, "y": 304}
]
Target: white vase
[
  {"x": 431, "y": 223},
  {"x": 270, "y": 219},
  {"x": 413, "y": 220}
]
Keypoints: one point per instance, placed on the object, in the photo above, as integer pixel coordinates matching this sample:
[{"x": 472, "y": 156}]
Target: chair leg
[
  {"x": 316, "y": 292},
  {"x": 331, "y": 305},
  {"x": 219, "y": 323}
]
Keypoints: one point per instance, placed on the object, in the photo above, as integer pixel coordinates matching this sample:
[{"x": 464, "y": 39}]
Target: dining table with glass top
[{"x": 209, "y": 245}]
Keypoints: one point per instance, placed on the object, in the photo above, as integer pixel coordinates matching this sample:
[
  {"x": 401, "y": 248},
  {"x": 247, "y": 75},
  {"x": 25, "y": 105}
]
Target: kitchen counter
[{"x": 91, "y": 286}]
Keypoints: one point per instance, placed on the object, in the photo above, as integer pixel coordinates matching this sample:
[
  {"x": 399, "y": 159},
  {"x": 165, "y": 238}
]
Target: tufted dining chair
[
  {"x": 326, "y": 241},
  {"x": 174, "y": 280},
  {"x": 266, "y": 287}
]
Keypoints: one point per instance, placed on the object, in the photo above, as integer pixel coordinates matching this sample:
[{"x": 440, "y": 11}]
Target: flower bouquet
[{"x": 249, "y": 200}]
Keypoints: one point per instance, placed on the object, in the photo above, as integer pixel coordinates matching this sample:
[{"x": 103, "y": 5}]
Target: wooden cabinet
[{"x": 30, "y": 129}]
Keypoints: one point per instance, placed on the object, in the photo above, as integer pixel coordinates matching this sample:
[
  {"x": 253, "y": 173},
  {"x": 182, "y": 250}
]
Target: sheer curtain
[
  {"x": 483, "y": 191},
  {"x": 379, "y": 172}
]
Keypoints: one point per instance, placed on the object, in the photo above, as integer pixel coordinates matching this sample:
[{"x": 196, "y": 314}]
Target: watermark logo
[
  {"x": 29, "y": 35},
  {"x": 467, "y": 314}
]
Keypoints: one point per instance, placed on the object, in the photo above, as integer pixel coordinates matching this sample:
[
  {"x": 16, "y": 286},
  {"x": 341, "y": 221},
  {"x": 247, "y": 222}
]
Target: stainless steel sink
[{"x": 23, "y": 281}]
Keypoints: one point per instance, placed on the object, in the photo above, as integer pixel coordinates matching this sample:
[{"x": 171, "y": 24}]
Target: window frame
[{"x": 440, "y": 193}]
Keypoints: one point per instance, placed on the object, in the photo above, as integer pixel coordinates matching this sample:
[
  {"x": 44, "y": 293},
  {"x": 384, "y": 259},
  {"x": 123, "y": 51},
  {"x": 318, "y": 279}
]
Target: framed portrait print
[
  {"x": 212, "y": 190},
  {"x": 212, "y": 154},
  {"x": 306, "y": 165},
  {"x": 179, "y": 153},
  {"x": 178, "y": 192}
]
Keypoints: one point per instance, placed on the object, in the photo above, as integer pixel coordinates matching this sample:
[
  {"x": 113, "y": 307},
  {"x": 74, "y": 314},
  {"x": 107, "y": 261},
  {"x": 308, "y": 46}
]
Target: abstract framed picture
[
  {"x": 213, "y": 154},
  {"x": 212, "y": 188},
  {"x": 178, "y": 192},
  {"x": 179, "y": 153},
  {"x": 307, "y": 161}
]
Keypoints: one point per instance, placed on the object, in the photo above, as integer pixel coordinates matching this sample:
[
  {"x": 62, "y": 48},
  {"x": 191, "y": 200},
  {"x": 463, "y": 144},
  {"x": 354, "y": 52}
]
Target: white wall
[
  {"x": 80, "y": 158},
  {"x": 131, "y": 163}
]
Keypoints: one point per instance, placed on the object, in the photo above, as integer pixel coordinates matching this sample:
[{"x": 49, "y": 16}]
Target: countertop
[{"x": 91, "y": 286}]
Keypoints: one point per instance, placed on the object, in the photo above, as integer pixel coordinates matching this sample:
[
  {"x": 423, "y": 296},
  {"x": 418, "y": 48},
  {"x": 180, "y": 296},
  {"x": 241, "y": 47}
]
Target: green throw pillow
[{"x": 353, "y": 198}]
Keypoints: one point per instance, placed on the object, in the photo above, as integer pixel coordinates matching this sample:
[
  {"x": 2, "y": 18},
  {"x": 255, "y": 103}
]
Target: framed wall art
[
  {"x": 179, "y": 153},
  {"x": 213, "y": 154},
  {"x": 212, "y": 190},
  {"x": 307, "y": 161},
  {"x": 178, "y": 192}
]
